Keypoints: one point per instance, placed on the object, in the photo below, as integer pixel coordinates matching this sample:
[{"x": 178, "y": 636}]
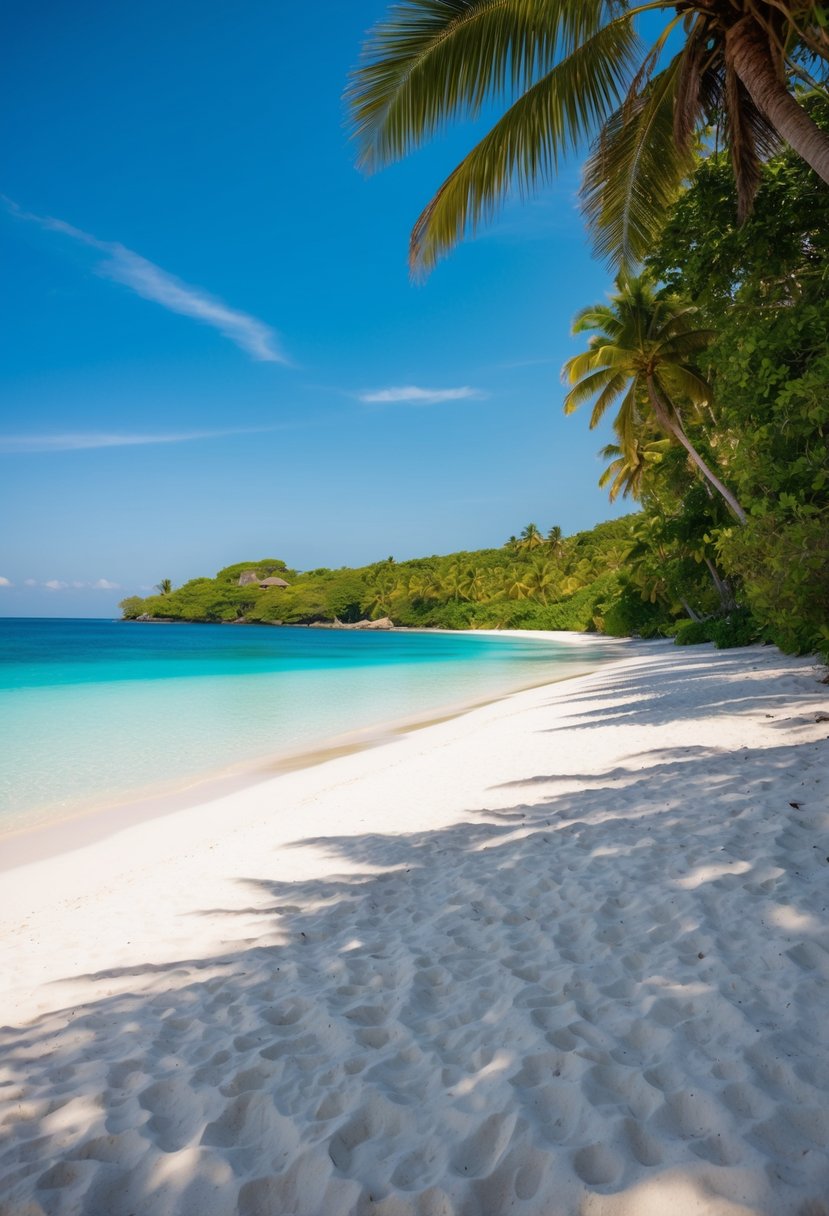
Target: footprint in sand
[
  {"x": 481, "y": 1152},
  {"x": 597, "y": 1165}
]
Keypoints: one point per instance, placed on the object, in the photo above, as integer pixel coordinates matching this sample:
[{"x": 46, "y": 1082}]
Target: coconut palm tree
[
  {"x": 555, "y": 541},
  {"x": 628, "y": 468},
  {"x": 570, "y": 70},
  {"x": 424, "y": 584},
  {"x": 531, "y": 537},
  {"x": 641, "y": 354},
  {"x": 382, "y": 589},
  {"x": 512, "y": 583},
  {"x": 540, "y": 580},
  {"x": 164, "y": 587},
  {"x": 472, "y": 583}
]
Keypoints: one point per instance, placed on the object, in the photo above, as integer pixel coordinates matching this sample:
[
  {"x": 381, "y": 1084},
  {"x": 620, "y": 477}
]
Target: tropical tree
[
  {"x": 629, "y": 467},
  {"x": 531, "y": 537},
  {"x": 555, "y": 541},
  {"x": 164, "y": 587},
  {"x": 424, "y": 584},
  {"x": 570, "y": 70},
  {"x": 641, "y": 354},
  {"x": 472, "y": 583},
  {"x": 382, "y": 588},
  {"x": 540, "y": 580},
  {"x": 514, "y": 584}
]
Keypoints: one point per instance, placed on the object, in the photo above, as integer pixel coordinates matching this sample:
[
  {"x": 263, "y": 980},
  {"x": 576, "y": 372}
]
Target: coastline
[
  {"x": 105, "y": 815},
  {"x": 565, "y": 948}
]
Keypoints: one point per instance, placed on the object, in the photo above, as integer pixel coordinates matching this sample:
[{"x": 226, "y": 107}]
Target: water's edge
[{"x": 22, "y": 846}]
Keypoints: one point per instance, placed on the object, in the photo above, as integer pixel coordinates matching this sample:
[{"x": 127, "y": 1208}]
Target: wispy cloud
[
  {"x": 5, "y": 582},
  {"x": 410, "y": 394},
  {"x": 149, "y": 281},
  {"x": 59, "y": 584},
  {"x": 77, "y": 441}
]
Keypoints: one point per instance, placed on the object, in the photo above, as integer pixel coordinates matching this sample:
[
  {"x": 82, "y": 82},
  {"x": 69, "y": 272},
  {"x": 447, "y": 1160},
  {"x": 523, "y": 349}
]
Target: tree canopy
[{"x": 566, "y": 71}]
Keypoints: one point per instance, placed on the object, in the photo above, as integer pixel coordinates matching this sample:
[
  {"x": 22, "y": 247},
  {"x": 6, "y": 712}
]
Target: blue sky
[{"x": 211, "y": 348}]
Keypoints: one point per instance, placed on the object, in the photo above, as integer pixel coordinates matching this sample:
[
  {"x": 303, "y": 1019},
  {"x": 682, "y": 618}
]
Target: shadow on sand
[{"x": 598, "y": 1002}]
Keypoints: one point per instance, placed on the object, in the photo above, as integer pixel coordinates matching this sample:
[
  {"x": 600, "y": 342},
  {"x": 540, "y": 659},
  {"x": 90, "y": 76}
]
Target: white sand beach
[{"x": 564, "y": 955}]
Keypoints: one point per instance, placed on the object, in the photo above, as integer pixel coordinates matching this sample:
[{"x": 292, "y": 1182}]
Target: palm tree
[
  {"x": 424, "y": 584},
  {"x": 555, "y": 541},
  {"x": 540, "y": 579},
  {"x": 628, "y": 467},
  {"x": 514, "y": 585},
  {"x": 641, "y": 350},
  {"x": 530, "y": 537},
  {"x": 381, "y": 592},
  {"x": 472, "y": 583},
  {"x": 570, "y": 70},
  {"x": 164, "y": 587}
]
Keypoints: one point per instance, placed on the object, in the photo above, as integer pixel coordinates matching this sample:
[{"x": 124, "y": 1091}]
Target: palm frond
[
  {"x": 750, "y": 138},
  {"x": 690, "y": 87},
  {"x": 607, "y": 396},
  {"x": 524, "y": 147},
  {"x": 431, "y": 60},
  {"x": 597, "y": 316},
  {"x": 627, "y": 423},
  {"x": 635, "y": 172},
  {"x": 683, "y": 381},
  {"x": 605, "y": 385}
]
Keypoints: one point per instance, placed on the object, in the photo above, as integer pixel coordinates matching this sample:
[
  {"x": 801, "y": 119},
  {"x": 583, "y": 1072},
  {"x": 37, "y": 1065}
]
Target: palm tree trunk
[
  {"x": 747, "y": 51},
  {"x": 671, "y": 424},
  {"x": 723, "y": 587},
  {"x": 689, "y": 610}
]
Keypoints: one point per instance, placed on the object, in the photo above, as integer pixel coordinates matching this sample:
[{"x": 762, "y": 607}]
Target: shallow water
[{"x": 95, "y": 712}]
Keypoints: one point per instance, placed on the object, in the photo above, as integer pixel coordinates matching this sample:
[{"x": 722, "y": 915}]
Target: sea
[{"x": 98, "y": 713}]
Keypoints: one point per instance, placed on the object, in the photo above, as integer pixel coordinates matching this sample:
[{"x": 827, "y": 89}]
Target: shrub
[
  {"x": 693, "y": 633},
  {"x": 737, "y": 629}
]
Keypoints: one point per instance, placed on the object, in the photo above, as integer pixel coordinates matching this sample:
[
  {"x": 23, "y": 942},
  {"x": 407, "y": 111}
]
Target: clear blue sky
[{"x": 199, "y": 290}]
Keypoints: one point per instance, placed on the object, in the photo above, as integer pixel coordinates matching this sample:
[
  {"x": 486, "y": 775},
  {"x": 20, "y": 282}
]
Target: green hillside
[{"x": 534, "y": 581}]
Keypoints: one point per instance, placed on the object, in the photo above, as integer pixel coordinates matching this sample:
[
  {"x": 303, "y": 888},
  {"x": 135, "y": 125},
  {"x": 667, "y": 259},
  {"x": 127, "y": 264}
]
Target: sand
[{"x": 564, "y": 954}]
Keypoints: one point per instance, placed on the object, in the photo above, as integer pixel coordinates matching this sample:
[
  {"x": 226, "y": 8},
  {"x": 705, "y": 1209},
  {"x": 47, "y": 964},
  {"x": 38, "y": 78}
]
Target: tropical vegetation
[
  {"x": 711, "y": 356},
  {"x": 537, "y": 582},
  {"x": 569, "y": 71},
  {"x": 706, "y": 188}
]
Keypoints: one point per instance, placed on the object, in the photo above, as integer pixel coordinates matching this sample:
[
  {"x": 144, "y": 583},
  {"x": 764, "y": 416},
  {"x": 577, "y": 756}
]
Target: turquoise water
[{"x": 99, "y": 712}]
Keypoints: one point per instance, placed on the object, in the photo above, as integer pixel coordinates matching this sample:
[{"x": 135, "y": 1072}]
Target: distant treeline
[
  {"x": 586, "y": 581},
  {"x": 532, "y": 582}
]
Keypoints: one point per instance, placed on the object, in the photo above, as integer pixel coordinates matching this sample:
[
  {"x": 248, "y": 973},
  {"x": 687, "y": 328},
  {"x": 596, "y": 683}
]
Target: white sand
[{"x": 566, "y": 954}]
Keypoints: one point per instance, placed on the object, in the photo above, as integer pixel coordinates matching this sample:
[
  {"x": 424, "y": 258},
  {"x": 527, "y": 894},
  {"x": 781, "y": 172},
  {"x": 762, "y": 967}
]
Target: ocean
[{"x": 96, "y": 712}]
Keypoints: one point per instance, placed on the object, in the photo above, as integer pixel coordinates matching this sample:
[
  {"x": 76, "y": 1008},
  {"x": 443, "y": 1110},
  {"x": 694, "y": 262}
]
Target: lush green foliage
[
  {"x": 765, "y": 288},
  {"x": 531, "y": 582}
]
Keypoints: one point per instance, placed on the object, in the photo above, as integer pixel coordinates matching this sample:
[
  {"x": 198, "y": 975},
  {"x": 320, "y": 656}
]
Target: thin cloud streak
[
  {"x": 86, "y": 441},
  {"x": 59, "y": 584},
  {"x": 149, "y": 281},
  {"x": 411, "y": 394}
]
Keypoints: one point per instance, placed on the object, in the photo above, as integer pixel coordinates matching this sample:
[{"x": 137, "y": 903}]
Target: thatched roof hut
[{"x": 272, "y": 582}]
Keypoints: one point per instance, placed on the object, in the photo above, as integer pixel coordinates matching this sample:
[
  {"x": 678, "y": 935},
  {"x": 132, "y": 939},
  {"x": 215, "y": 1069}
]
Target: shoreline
[
  {"x": 59, "y": 833},
  {"x": 565, "y": 952}
]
